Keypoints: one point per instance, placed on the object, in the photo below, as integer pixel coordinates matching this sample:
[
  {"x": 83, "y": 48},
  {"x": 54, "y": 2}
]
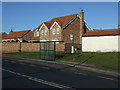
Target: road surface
[{"x": 26, "y": 73}]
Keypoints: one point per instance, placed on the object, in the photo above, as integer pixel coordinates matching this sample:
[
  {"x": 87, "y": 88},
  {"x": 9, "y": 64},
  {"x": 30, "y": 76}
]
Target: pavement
[{"x": 98, "y": 69}]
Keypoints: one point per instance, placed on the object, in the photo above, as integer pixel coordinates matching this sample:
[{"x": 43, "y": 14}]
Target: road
[{"x": 26, "y": 73}]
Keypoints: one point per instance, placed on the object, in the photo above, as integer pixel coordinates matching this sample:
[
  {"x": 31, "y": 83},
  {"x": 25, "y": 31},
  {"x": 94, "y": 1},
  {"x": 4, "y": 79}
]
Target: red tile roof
[
  {"x": 62, "y": 21},
  {"x": 102, "y": 32},
  {"x": 18, "y": 34},
  {"x": 2, "y": 33}
]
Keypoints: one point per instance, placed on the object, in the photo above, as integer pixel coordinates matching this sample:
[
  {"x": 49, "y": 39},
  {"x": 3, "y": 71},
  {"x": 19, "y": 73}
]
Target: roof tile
[
  {"x": 2, "y": 33},
  {"x": 62, "y": 21},
  {"x": 18, "y": 34},
  {"x": 102, "y": 32}
]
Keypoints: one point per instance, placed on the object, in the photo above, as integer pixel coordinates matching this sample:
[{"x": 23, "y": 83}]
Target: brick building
[
  {"x": 18, "y": 36},
  {"x": 63, "y": 29}
]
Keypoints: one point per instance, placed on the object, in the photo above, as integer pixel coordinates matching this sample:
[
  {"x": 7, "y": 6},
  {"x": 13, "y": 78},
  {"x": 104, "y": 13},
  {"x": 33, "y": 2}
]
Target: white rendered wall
[{"x": 100, "y": 43}]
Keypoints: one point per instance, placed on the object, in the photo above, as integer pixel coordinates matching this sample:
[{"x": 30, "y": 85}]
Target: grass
[{"x": 104, "y": 59}]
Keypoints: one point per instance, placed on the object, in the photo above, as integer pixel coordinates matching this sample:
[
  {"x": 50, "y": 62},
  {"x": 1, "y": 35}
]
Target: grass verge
[{"x": 104, "y": 59}]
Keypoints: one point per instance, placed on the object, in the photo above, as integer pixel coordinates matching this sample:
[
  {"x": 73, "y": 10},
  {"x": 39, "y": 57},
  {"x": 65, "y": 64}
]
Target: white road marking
[
  {"x": 40, "y": 80},
  {"x": 106, "y": 78}
]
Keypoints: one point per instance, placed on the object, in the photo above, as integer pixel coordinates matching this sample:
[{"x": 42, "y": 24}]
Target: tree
[{"x": 11, "y": 30}]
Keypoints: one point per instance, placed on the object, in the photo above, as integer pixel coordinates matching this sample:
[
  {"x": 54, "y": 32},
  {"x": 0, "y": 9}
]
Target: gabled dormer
[
  {"x": 41, "y": 30},
  {"x": 55, "y": 29},
  {"x": 55, "y": 25},
  {"x": 44, "y": 30}
]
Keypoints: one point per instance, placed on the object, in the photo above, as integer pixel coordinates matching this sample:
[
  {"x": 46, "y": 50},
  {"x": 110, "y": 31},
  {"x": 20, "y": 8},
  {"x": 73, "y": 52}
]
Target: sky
[{"x": 20, "y": 16}]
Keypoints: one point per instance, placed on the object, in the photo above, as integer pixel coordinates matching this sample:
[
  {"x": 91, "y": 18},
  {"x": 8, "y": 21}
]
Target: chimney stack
[{"x": 81, "y": 25}]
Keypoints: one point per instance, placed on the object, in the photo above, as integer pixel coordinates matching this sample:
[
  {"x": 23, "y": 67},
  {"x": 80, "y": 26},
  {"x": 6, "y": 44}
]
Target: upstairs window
[
  {"x": 56, "y": 31},
  {"x": 44, "y": 32}
]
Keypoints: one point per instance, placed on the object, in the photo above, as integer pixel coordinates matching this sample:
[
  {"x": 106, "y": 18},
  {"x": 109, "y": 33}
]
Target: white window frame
[
  {"x": 44, "y": 32},
  {"x": 58, "y": 30},
  {"x": 54, "y": 31}
]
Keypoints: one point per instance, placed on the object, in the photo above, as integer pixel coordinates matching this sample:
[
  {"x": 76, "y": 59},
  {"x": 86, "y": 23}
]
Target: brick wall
[
  {"x": 26, "y": 47},
  {"x": 60, "y": 47},
  {"x": 30, "y": 47},
  {"x": 16, "y": 46},
  {"x": 10, "y": 47},
  {"x": 73, "y": 28}
]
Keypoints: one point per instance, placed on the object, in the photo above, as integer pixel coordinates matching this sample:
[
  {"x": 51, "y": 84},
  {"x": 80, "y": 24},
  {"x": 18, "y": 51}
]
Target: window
[
  {"x": 71, "y": 37},
  {"x": 44, "y": 32},
  {"x": 56, "y": 31}
]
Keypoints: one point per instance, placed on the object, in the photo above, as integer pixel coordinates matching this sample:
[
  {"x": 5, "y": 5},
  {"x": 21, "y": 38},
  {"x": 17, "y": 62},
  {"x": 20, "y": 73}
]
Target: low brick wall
[
  {"x": 30, "y": 47},
  {"x": 26, "y": 47},
  {"x": 60, "y": 47},
  {"x": 17, "y": 47},
  {"x": 10, "y": 47}
]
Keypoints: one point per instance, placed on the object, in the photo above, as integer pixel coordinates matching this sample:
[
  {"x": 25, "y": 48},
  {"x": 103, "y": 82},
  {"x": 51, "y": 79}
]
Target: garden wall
[{"x": 26, "y": 47}]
